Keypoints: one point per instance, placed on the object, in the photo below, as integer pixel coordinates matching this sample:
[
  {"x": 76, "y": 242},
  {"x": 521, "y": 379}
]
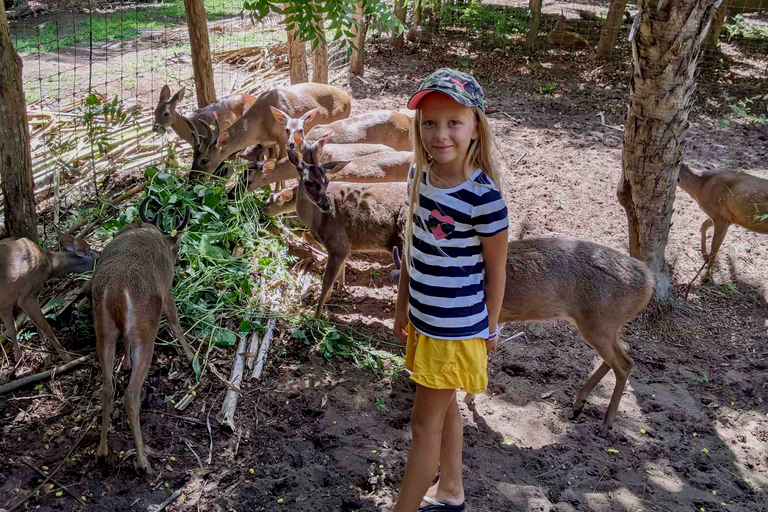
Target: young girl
[{"x": 452, "y": 284}]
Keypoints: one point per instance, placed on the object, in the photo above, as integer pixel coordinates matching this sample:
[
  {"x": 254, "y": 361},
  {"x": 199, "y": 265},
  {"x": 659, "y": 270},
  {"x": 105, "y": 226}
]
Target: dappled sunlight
[
  {"x": 747, "y": 441},
  {"x": 662, "y": 475},
  {"x": 525, "y": 497}
]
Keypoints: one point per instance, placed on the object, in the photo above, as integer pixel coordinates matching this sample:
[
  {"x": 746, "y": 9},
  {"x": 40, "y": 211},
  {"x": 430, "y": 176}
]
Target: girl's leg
[
  {"x": 450, "y": 488},
  {"x": 427, "y": 419}
]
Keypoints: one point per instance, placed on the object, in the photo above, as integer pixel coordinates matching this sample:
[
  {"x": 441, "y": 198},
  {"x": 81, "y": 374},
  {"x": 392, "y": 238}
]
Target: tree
[
  {"x": 320, "y": 52},
  {"x": 296, "y": 57},
  {"x": 717, "y": 25},
  {"x": 666, "y": 43},
  {"x": 401, "y": 10},
  {"x": 611, "y": 28},
  {"x": 201, "y": 52},
  {"x": 357, "y": 60},
  {"x": 532, "y": 39},
  {"x": 15, "y": 156}
]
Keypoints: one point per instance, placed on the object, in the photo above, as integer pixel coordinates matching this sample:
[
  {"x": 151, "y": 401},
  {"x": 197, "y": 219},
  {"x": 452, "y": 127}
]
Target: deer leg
[
  {"x": 343, "y": 276},
  {"x": 169, "y": 310},
  {"x": 704, "y": 228},
  {"x": 143, "y": 345},
  {"x": 332, "y": 267},
  {"x": 128, "y": 361},
  {"x": 106, "y": 339},
  {"x": 721, "y": 228},
  {"x": 31, "y": 307},
  {"x": 6, "y": 316},
  {"x": 586, "y": 389}
]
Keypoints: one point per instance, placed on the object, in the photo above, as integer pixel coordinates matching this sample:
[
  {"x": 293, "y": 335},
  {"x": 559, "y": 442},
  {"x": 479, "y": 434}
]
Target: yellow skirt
[{"x": 447, "y": 364}]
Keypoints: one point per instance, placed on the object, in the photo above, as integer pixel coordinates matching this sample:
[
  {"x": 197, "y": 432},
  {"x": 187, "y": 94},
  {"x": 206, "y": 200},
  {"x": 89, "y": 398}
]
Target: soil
[{"x": 317, "y": 435}]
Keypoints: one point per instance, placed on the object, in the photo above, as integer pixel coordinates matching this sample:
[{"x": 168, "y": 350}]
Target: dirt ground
[{"x": 692, "y": 429}]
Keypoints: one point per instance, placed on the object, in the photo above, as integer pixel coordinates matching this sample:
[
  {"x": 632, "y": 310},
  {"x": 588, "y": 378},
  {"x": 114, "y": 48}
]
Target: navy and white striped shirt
[{"x": 446, "y": 295}]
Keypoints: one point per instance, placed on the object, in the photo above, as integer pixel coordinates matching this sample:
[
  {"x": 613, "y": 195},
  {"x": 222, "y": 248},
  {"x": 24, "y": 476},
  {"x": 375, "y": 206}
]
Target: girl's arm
[
  {"x": 495, "y": 257},
  {"x": 401, "y": 308}
]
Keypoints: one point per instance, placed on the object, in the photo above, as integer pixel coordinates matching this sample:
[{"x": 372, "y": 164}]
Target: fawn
[
  {"x": 24, "y": 269},
  {"x": 727, "y": 198},
  {"x": 131, "y": 288},
  {"x": 596, "y": 288}
]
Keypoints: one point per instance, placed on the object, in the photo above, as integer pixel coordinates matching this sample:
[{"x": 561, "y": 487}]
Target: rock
[{"x": 420, "y": 35}]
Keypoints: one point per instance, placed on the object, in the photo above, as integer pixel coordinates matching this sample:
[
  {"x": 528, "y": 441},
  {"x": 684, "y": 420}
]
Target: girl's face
[{"x": 447, "y": 128}]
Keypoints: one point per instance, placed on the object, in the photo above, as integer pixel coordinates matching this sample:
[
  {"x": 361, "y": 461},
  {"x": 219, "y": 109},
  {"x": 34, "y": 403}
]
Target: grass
[
  {"x": 127, "y": 24},
  {"x": 481, "y": 19},
  {"x": 747, "y": 110}
]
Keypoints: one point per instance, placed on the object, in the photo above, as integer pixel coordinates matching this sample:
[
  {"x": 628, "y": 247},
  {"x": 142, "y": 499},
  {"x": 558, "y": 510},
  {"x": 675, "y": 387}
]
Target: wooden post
[
  {"x": 297, "y": 59},
  {"x": 201, "y": 52},
  {"x": 320, "y": 53},
  {"x": 15, "y": 156},
  {"x": 357, "y": 59},
  {"x": 531, "y": 40}
]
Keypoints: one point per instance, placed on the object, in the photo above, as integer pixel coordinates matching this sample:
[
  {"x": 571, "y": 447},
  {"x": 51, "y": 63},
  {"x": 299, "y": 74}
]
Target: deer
[
  {"x": 594, "y": 287},
  {"x": 225, "y": 112},
  {"x": 389, "y": 127},
  {"x": 24, "y": 269},
  {"x": 131, "y": 288},
  {"x": 727, "y": 198},
  {"x": 258, "y": 126},
  {"x": 345, "y": 217},
  {"x": 560, "y": 36}
]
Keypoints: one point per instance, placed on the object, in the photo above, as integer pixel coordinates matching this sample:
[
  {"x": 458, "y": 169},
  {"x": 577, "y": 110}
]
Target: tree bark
[
  {"x": 611, "y": 28},
  {"x": 531, "y": 40},
  {"x": 357, "y": 59},
  {"x": 320, "y": 53},
  {"x": 401, "y": 11},
  {"x": 717, "y": 25},
  {"x": 665, "y": 50},
  {"x": 297, "y": 59},
  {"x": 201, "y": 52},
  {"x": 417, "y": 5},
  {"x": 15, "y": 157}
]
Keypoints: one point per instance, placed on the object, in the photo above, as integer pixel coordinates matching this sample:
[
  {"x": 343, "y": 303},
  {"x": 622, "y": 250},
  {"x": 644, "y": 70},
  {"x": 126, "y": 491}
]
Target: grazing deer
[
  {"x": 389, "y": 127},
  {"x": 727, "y": 198},
  {"x": 346, "y": 217},
  {"x": 225, "y": 112},
  {"x": 594, "y": 287},
  {"x": 131, "y": 289},
  {"x": 259, "y": 127},
  {"x": 24, "y": 269},
  {"x": 560, "y": 36}
]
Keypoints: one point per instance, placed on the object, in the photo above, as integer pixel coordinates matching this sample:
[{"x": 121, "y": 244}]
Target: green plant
[
  {"x": 480, "y": 18},
  {"x": 547, "y": 88},
  {"x": 743, "y": 110},
  {"x": 741, "y": 30},
  {"x": 380, "y": 405},
  {"x": 732, "y": 289},
  {"x": 704, "y": 379}
]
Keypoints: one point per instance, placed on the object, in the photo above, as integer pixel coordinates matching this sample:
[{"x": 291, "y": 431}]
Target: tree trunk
[
  {"x": 201, "y": 52},
  {"x": 665, "y": 51},
  {"x": 417, "y": 12},
  {"x": 357, "y": 59},
  {"x": 717, "y": 25},
  {"x": 611, "y": 28},
  {"x": 531, "y": 40},
  {"x": 297, "y": 59},
  {"x": 401, "y": 11},
  {"x": 320, "y": 53},
  {"x": 15, "y": 157}
]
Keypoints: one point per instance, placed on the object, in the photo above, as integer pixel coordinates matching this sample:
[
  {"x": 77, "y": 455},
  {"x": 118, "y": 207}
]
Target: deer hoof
[
  {"x": 143, "y": 466},
  {"x": 604, "y": 430},
  {"x": 577, "y": 408},
  {"x": 104, "y": 456}
]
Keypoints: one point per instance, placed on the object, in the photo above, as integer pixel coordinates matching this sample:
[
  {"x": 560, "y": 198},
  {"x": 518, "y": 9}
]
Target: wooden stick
[
  {"x": 57, "y": 484},
  {"x": 31, "y": 379},
  {"x": 262, "y": 357},
  {"x": 253, "y": 347},
  {"x": 170, "y": 500},
  {"x": 227, "y": 413}
]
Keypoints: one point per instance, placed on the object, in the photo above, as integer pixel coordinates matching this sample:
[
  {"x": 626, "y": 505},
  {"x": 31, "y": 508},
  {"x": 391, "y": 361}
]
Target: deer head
[
  {"x": 293, "y": 127},
  {"x": 166, "y": 109}
]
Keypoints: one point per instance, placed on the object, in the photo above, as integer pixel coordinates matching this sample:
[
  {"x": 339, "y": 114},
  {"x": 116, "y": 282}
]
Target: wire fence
[{"x": 93, "y": 69}]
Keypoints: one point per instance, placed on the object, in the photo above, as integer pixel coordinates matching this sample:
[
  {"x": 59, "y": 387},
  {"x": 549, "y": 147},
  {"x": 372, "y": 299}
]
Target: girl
[{"x": 452, "y": 284}]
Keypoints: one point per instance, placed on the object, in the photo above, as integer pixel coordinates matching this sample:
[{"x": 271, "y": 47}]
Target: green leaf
[
  {"x": 224, "y": 338},
  {"x": 245, "y": 326},
  {"x": 39, "y": 387},
  {"x": 612, "y": 450},
  {"x": 196, "y": 366},
  {"x": 508, "y": 442}
]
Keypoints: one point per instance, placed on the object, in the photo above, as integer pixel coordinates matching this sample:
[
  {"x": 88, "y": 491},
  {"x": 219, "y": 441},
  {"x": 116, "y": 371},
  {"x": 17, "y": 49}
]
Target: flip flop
[{"x": 436, "y": 506}]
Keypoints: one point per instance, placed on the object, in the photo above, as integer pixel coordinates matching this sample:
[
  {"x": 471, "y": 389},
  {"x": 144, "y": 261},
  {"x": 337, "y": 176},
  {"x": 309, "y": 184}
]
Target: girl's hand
[
  {"x": 490, "y": 347},
  {"x": 401, "y": 321}
]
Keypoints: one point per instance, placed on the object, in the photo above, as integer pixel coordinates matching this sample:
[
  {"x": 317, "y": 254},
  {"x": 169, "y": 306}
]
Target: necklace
[{"x": 434, "y": 175}]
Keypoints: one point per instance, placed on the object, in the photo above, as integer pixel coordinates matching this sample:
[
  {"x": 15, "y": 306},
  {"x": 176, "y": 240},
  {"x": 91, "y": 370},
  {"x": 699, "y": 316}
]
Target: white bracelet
[{"x": 493, "y": 336}]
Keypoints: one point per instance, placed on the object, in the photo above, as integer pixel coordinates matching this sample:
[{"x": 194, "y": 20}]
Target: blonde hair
[{"x": 479, "y": 154}]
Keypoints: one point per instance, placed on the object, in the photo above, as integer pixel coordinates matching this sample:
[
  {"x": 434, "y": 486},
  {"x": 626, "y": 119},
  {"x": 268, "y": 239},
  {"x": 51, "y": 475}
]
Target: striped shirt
[{"x": 447, "y": 272}]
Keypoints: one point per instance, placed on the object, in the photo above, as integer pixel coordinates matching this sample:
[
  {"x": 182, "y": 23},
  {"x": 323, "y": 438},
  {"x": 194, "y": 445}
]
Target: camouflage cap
[{"x": 461, "y": 87}]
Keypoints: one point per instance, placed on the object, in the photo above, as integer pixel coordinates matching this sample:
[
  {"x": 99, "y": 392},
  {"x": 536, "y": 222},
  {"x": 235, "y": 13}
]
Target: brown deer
[
  {"x": 24, "y": 269},
  {"x": 346, "y": 217},
  {"x": 259, "y": 127},
  {"x": 596, "y": 288},
  {"x": 727, "y": 198},
  {"x": 225, "y": 112},
  {"x": 131, "y": 289},
  {"x": 389, "y": 127},
  {"x": 560, "y": 36}
]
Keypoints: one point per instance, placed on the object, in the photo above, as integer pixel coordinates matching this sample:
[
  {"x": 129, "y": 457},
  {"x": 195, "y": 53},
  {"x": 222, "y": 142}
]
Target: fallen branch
[
  {"x": 210, "y": 435},
  {"x": 262, "y": 357},
  {"x": 227, "y": 413},
  {"x": 253, "y": 347},
  {"x": 57, "y": 484},
  {"x": 170, "y": 500},
  {"x": 189, "y": 445},
  {"x": 31, "y": 379}
]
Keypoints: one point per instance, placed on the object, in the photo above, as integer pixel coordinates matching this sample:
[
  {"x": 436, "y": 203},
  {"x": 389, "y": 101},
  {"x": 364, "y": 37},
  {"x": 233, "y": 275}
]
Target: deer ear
[
  {"x": 335, "y": 166},
  {"x": 322, "y": 142},
  {"x": 280, "y": 116},
  {"x": 297, "y": 138},
  {"x": 67, "y": 242},
  {"x": 309, "y": 116},
  {"x": 268, "y": 166},
  {"x": 222, "y": 139},
  {"x": 165, "y": 94},
  {"x": 82, "y": 248},
  {"x": 286, "y": 195},
  {"x": 178, "y": 96}
]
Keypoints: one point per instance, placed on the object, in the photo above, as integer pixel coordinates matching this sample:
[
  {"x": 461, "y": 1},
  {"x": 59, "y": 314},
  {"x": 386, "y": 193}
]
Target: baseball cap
[{"x": 461, "y": 87}]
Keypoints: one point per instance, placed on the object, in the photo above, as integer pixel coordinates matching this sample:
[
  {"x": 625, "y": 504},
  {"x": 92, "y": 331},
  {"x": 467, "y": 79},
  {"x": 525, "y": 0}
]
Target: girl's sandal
[{"x": 436, "y": 506}]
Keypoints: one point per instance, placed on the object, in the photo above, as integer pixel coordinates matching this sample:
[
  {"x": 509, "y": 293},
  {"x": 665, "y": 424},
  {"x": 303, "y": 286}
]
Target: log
[
  {"x": 229, "y": 406},
  {"x": 31, "y": 379},
  {"x": 253, "y": 347},
  {"x": 262, "y": 357},
  {"x": 201, "y": 52}
]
